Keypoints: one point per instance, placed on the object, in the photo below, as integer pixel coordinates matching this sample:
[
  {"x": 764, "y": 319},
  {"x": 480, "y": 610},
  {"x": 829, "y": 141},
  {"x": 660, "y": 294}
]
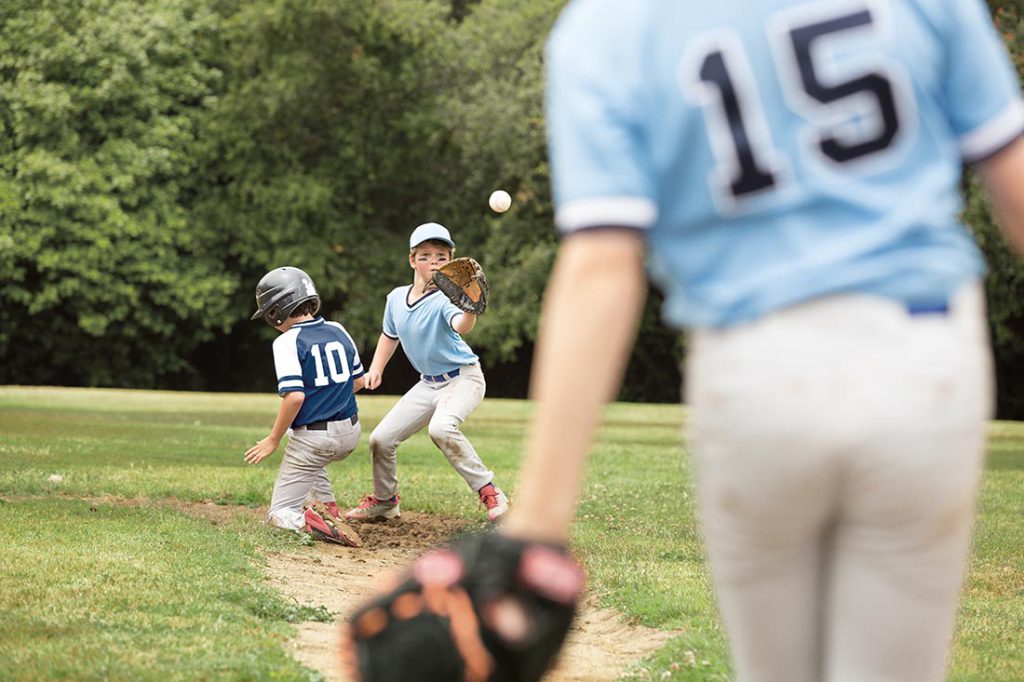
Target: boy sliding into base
[
  {"x": 451, "y": 386},
  {"x": 318, "y": 372}
]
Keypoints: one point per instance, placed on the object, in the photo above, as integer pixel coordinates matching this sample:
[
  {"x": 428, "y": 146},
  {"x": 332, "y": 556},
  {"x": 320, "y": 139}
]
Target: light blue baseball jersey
[
  {"x": 779, "y": 150},
  {"x": 320, "y": 359},
  {"x": 425, "y": 331}
]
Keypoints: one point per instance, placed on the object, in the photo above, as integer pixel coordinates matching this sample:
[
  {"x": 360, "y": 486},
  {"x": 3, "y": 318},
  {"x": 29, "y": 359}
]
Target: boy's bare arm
[
  {"x": 359, "y": 384},
  {"x": 386, "y": 347},
  {"x": 464, "y": 323},
  {"x": 589, "y": 321},
  {"x": 291, "y": 403},
  {"x": 1004, "y": 177}
]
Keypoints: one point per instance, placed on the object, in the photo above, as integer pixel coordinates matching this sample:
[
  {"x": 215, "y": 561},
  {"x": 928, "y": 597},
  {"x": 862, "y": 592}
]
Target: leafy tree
[
  {"x": 1005, "y": 281},
  {"x": 103, "y": 282},
  {"x": 327, "y": 148}
]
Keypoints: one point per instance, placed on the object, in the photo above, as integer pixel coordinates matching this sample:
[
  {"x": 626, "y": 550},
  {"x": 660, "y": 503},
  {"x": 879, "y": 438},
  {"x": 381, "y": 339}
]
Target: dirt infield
[{"x": 601, "y": 645}]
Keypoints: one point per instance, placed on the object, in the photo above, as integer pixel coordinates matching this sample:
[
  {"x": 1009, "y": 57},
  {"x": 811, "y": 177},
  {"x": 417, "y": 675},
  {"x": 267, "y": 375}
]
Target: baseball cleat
[
  {"x": 322, "y": 525},
  {"x": 495, "y": 501},
  {"x": 371, "y": 509}
]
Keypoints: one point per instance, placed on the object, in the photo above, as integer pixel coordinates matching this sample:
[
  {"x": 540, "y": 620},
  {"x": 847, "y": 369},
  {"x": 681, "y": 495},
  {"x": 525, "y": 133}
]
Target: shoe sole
[
  {"x": 389, "y": 514},
  {"x": 343, "y": 534},
  {"x": 346, "y": 536},
  {"x": 497, "y": 517}
]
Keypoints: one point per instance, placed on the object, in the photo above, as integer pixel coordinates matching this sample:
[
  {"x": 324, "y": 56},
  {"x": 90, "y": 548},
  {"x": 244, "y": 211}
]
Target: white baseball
[{"x": 500, "y": 201}]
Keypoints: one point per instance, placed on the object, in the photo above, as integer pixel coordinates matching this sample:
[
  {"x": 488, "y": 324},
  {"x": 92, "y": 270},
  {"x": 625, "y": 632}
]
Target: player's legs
[
  {"x": 766, "y": 483},
  {"x": 410, "y": 414},
  {"x": 455, "y": 401},
  {"x": 781, "y": 410},
  {"x": 905, "y": 537},
  {"x": 346, "y": 437},
  {"x": 305, "y": 457}
]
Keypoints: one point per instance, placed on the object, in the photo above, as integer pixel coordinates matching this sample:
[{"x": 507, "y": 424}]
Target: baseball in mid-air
[{"x": 500, "y": 201}]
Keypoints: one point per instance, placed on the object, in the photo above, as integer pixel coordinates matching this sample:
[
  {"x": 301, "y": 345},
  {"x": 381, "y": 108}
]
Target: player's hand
[
  {"x": 263, "y": 449},
  {"x": 372, "y": 378}
]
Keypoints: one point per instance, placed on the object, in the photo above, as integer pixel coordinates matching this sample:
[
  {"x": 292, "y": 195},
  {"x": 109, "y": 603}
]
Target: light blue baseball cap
[{"x": 428, "y": 231}]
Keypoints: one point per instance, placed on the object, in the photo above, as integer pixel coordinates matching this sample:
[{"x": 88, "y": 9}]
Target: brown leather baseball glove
[
  {"x": 488, "y": 609},
  {"x": 464, "y": 283}
]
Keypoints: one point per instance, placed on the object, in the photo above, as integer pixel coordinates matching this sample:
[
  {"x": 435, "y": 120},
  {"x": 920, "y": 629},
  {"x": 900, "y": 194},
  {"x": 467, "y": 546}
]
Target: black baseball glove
[
  {"x": 464, "y": 283},
  {"x": 489, "y": 608}
]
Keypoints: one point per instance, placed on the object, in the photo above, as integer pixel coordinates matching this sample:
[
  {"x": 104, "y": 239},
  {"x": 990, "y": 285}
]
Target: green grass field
[{"x": 98, "y": 583}]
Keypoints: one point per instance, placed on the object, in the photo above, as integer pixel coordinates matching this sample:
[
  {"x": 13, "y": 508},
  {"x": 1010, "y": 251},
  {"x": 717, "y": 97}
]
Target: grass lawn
[{"x": 95, "y": 590}]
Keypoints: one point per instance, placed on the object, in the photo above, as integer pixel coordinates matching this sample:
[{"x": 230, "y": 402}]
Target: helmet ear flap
[{"x": 272, "y": 315}]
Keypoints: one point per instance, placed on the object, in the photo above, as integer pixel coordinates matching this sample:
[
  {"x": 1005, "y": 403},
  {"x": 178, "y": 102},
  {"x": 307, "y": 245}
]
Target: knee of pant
[
  {"x": 442, "y": 430},
  {"x": 380, "y": 446}
]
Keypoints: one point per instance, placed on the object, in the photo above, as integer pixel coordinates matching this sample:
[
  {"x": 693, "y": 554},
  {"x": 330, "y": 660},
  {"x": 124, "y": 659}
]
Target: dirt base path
[{"x": 601, "y": 645}]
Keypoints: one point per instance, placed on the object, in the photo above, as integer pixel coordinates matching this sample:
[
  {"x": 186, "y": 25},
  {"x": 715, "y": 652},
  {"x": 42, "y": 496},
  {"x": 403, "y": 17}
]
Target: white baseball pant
[
  {"x": 303, "y": 471},
  {"x": 441, "y": 407},
  {"x": 838, "y": 449}
]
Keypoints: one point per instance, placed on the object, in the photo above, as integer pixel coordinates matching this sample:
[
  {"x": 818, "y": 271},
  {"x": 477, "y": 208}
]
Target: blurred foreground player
[{"x": 790, "y": 172}]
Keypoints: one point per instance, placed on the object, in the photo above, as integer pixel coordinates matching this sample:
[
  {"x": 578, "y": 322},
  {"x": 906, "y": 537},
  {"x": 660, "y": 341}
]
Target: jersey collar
[
  {"x": 410, "y": 306},
  {"x": 310, "y": 323}
]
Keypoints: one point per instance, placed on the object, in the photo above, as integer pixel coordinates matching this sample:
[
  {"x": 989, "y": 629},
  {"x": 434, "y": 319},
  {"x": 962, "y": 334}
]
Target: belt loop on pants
[
  {"x": 322, "y": 426},
  {"x": 440, "y": 377},
  {"x": 928, "y": 308}
]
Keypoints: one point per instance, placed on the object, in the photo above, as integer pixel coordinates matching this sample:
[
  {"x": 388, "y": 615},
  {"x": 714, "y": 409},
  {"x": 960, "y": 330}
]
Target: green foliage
[
  {"x": 156, "y": 159},
  {"x": 318, "y": 154},
  {"x": 103, "y": 281},
  {"x": 1005, "y": 282}
]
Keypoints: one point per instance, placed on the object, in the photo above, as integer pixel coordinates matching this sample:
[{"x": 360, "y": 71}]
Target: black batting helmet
[{"x": 280, "y": 292}]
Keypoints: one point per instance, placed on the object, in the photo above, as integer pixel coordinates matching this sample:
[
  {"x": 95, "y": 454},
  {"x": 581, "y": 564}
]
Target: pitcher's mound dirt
[{"x": 601, "y": 646}]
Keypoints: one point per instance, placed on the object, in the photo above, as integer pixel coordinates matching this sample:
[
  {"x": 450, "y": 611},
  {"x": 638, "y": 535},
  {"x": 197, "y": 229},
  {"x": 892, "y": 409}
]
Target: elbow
[{"x": 464, "y": 323}]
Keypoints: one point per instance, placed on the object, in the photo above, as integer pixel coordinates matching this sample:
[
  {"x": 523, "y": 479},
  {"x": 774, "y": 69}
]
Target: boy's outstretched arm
[
  {"x": 291, "y": 403},
  {"x": 588, "y": 325},
  {"x": 386, "y": 347}
]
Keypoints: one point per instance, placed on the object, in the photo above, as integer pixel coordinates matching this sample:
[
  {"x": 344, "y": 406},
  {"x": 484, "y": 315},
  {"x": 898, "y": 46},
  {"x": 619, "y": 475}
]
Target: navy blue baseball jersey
[
  {"x": 782, "y": 150},
  {"x": 320, "y": 359}
]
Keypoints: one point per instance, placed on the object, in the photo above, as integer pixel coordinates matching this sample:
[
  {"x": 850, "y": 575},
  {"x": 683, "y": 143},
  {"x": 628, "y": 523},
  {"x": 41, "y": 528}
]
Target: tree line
[{"x": 156, "y": 158}]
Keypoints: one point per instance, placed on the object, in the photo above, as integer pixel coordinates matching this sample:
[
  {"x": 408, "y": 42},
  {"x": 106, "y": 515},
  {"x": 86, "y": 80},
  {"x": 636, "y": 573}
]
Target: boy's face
[{"x": 428, "y": 257}]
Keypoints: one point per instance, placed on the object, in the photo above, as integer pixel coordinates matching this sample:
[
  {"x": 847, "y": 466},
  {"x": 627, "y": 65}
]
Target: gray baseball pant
[
  {"x": 838, "y": 449},
  {"x": 441, "y": 407},
  {"x": 303, "y": 471}
]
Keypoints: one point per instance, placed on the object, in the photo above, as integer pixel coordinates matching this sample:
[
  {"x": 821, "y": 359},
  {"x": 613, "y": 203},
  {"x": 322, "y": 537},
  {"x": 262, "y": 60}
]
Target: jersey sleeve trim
[
  {"x": 393, "y": 338},
  {"x": 635, "y": 212},
  {"x": 290, "y": 385},
  {"x": 451, "y": 319},
  {"x": 990, "y": 137}
]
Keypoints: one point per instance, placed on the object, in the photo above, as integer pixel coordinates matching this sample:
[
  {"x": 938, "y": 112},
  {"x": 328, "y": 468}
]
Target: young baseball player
[
  {"x": 318, "y": 372},
  {"x": 790, "y": 171},
  {"x": 451, "y": 385}
]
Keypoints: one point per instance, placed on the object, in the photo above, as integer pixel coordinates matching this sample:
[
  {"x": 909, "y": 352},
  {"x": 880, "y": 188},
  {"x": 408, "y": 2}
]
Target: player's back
[
  {"x": 779, "y": 150},
  {"x": 320, "y": 358}
]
